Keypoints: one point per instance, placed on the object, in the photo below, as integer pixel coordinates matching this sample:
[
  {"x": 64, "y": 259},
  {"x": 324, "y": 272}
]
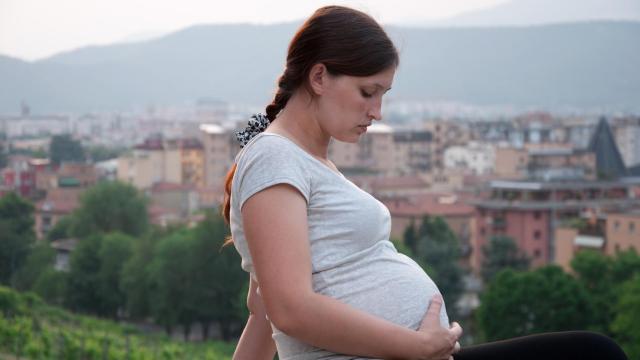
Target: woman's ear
[{"x": 318, "y": 78}]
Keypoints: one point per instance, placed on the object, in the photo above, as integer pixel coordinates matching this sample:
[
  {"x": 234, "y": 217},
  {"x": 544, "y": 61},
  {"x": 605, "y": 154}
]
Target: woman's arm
[
  {"x": 255, "y": 342},
  {"x": 275, "y": 224}
]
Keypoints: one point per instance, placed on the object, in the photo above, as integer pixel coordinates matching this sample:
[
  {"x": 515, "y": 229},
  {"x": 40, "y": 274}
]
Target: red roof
[
  {"x": 168, "y": 186},
  {"x": 439, "y": 204},
  {"x": 151, "y": 144},
  {"x": 389, "y": 182},
  {"x": 191, "y": 144}
]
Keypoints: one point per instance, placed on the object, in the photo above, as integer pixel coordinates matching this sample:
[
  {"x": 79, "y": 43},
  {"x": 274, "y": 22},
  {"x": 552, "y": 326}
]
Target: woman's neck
[{"x": 298, "y": 121}]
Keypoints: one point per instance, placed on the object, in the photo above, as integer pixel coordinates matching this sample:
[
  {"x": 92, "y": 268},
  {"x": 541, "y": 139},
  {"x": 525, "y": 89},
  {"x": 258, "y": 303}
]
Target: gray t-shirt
[{"x": 352, "y": 258}]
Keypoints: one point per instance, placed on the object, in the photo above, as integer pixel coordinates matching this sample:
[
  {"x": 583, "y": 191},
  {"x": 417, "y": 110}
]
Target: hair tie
[{"x": 257, "y": 124}]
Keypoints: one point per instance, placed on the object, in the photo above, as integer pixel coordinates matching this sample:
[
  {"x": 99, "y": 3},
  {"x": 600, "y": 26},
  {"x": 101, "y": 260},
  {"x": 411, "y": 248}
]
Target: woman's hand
[{"x": 440, "y": 343}]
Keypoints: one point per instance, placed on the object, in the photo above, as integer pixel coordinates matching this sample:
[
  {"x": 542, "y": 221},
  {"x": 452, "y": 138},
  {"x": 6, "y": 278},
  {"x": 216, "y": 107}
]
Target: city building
[
  {"x": 606, "y": 232},
  {"x": 626, "y": 131},
  {"x": 444, "y": 135},
  {"x": 384, "y": 151},
  {"x": 451, "y": 207},
  {"x": 192, "y": 162},
  {"x": 530, "y": 211},
  {"x": 19, "y": 176},
  {"x": 220, "y": 148},
  {"x": 153, "y": 161},
  {"x": 475, "y": 157}
]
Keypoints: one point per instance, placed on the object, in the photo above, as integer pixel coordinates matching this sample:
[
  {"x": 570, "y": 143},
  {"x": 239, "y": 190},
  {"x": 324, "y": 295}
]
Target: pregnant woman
[{"x": 325, "y": 281}]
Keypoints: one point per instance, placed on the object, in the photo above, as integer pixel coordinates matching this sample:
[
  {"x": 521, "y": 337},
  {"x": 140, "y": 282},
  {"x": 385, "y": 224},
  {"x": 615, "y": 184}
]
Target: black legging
[{"x": 548, "y": 346}]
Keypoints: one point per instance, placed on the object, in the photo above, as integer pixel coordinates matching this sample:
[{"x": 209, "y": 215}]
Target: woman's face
[{"x": 349, "y": 104}]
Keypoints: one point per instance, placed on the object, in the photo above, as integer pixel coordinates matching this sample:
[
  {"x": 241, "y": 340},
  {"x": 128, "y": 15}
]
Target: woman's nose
[{"x": 375, "y": 113}]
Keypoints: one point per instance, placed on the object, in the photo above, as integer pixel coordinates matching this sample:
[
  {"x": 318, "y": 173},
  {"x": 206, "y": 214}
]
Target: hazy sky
[{"x": 34, "y": 29}]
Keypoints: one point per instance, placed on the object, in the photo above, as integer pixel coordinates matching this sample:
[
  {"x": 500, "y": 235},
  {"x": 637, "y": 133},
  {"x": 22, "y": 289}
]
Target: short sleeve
[{"x": 268, "y": 161}]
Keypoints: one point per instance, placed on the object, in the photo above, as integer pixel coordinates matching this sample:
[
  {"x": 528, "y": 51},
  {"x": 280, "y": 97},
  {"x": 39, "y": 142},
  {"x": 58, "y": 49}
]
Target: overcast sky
[{"x": 34, "y": 29}]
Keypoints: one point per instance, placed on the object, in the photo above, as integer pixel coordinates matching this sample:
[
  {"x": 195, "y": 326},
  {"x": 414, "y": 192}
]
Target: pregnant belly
[{"x": 385, "y": 284}]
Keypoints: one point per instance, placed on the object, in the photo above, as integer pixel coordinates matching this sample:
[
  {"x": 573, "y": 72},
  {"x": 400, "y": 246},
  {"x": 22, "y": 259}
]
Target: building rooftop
[
  {"x": 562, "y": 185},
  {"x": 67, "y": 245},
  {"x": 553, "y": 205},
  {"x": 436, "y": 204},
  {"x": 212, "y": 129},
  {"x": 609, "y": 162},
  {"x": 168, "y": 186}
]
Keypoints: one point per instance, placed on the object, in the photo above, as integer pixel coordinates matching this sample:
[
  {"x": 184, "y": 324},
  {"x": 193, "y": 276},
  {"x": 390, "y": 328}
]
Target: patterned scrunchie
[{"x": 257, "y": 124}]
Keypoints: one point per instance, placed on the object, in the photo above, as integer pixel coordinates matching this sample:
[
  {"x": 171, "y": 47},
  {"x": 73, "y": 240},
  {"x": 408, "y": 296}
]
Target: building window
[
  {"x": 616, "y": 225},
  {"x": 537, "y": 253},
  {"x": 632, "y": 227},
  {"x": 537, "y": 234},
  {"x": 536, "y": 215}
]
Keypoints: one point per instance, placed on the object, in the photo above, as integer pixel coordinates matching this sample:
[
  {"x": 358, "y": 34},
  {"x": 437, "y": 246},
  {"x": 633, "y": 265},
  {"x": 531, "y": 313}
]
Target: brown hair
[{"x": 346, "y": 41}]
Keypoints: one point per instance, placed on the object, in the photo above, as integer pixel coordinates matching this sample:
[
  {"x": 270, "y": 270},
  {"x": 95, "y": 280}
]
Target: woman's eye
[{"x": 365, "y": 94}]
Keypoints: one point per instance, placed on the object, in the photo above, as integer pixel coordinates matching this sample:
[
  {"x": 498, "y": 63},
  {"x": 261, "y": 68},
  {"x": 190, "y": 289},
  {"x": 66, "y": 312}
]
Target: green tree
[
  {"x": 3, "y": 153},
  {"x": 437, "y": 249},
  {"x": 83, "y": 286},
  {"x": 111, "y": 207},
  {"x": 115, "y": 251},
  {"x": 16, "y": 234},
  {"x": 625, "y": 324},
  {"x": 135, "y": 281},
  {"x": 410, "y": 236},
  {"x": 626, "y": 264},
  {"x": 95, "y": 274},
  {"x": 218, "y": 277},
  {"x": 502, "y": 253},
  {"x": 51, "y": 286},
  {"x": 41, "y": 258},
  {"x": 100, "y": 153},
  {"x": 64, "y": 148},
  {"x": 522, "y": 303},
  {"x": 593, "y": 270},
  {"x": 61, "y": 229},
  {"x": 172, "y": 283}
]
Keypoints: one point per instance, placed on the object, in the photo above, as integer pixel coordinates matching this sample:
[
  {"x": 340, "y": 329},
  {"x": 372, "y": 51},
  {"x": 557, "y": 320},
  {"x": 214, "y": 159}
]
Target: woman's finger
[
  {"x": 456, "y": 330},
  {"x": 457, "y": 347}
]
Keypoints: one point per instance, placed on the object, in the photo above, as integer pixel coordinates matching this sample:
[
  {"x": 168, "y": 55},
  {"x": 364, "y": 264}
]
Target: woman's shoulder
[
  {"x": 269, "y": 145},
  {"x": 270, "y": 152},
  {"x": 269, "y": 159}
]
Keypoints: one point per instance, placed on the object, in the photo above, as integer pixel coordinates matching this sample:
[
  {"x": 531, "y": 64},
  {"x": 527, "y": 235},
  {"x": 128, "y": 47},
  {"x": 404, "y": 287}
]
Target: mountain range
[{"x": 584, "y": 65}]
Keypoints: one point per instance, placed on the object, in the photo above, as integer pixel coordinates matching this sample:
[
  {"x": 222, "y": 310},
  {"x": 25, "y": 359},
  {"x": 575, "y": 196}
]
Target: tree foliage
[
  {"x": 41, "y": 257},
  {"x": 63, "y": 148},
  {"x": 82, "y": 292},
  {"x": 438, "y": 251},
  {"x": 522, "y": 303},
  {"x": 61, "y": 230},
  {"x": 16, "y": 234},
  {"x": 111, "y": 207},
  {"x": 135, "y": 280},
  {"x": 502, "y": 253},
  {"x": 115, "y": 251},
  {"x": 95, "y": 273},
  {"x": 625, "y": 325},
  {"x": 218, "y": 269},
  {"x": 602, "y": 276},
  {"x": 190, "y": 272}
]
